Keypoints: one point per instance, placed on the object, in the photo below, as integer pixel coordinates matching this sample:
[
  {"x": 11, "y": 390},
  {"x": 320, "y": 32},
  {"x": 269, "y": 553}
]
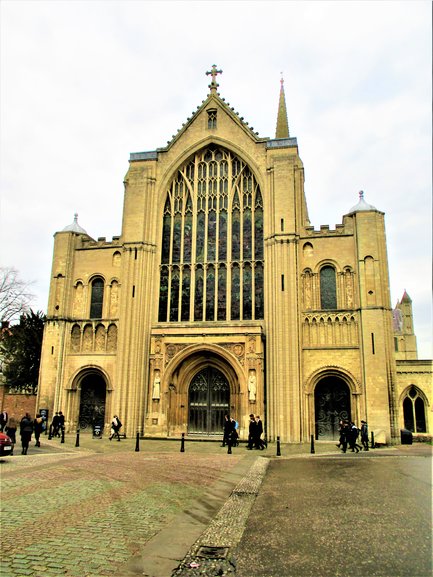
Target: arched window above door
[
  {"x": 328, "y": 289},
  {"x": 212, "y": 241},
  {"x": 97, "y": 298}
]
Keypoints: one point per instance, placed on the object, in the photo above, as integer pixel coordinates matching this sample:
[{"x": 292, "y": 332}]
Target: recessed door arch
[
  {"x": 92, "y": 401},
  {"x": 331, "y": 404},
  {"x": 208, "y": 401}
]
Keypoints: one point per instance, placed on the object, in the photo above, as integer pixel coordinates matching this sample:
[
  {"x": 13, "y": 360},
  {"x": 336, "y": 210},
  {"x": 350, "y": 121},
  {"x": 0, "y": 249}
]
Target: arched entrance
[
  {"x": 208, "y": 401},
  {"x": 332, "y": 404},
  {"x": 92, "y": 402}
]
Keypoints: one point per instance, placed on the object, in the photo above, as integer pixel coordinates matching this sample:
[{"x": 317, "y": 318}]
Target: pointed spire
[{"x": 282, "y": 130}]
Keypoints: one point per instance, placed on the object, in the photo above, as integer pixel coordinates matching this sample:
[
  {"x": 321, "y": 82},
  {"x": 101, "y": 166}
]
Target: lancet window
[
  {"x": 212, "y": 266},
  {"x": 97, "y": 298},
  {"x": 328, "y": 289}
]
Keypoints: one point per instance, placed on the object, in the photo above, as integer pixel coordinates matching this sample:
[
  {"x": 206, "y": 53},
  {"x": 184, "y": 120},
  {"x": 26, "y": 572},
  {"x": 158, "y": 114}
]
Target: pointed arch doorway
[
  {"x": 92, "y": 402},
  {"x": 332, "y": 404},
  {"x": 208, "y": 401}
]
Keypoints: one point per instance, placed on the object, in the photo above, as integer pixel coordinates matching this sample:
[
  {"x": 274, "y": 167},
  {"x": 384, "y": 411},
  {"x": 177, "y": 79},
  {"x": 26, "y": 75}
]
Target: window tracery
[{"x": 212, "y": 241}]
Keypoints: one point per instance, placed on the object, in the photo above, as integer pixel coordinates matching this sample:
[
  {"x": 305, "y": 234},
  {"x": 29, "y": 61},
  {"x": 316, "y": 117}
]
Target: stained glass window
[
  {"x": 97, "y": 299},
  {"x": 186, "y": 292},
  {"x": 212, "y": 241},
  {"x": 174, "y": 295},
  {"x": 236, "y": 281},
  {"x": 210, "y": 293},
  {"x": 222, "y": 293},
  {"x": 198, "y": 299},
  {"x": 328, "y": 292}
]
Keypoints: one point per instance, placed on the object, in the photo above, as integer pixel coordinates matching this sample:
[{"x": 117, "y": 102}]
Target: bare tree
[{"x": 15, "y": 296}]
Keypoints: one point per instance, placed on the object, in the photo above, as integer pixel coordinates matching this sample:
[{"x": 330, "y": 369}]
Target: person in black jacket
[
  {"x": 115, "y": 428},
  {"x": 364, "y": 435},
  {"x": 259, "y": 442},
  {"x": 26, "y": 430},
  {"x": 252, "y": 432},
  {"x": 227, "y": 431}
]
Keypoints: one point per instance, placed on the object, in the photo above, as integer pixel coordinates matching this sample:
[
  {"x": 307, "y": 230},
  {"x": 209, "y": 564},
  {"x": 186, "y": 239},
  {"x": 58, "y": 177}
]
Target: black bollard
[
  {"x": 229, "y": 445},
  {"x": 372, "y": 440},
  {"x": 278, "y": 447},
  {"x": 77, "y": 442},
  {"x": 312, "y": 444},
  {"x": 182, "y": 443},
  {"x": 62, "y": 440},
  {"x": 137, "y": 443},
  {"x": 50, "y": 433}
]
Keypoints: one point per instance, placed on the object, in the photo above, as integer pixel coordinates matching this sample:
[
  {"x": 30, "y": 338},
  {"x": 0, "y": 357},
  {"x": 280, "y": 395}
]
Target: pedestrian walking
[
  {"x": 61, "y": 423},
  {"x": 38, "y": 425},
  {"x": 26, "y": 430},
  {"x": 259, "y": 442},
  {"x": 3, "y": 420},
  {"x": 116, "y": 425},
  {"x": 353, "y": 437},
  {"x": 235, "y": 434},
  {"x": 11, "y": 431},
  {"x": 344, "y": 435},
  {"x": 55, "y": 425},
  {"x": 227, "y": 430},
  {"x": 364, "y": 435},
  {"x": 252, "y": 427}
]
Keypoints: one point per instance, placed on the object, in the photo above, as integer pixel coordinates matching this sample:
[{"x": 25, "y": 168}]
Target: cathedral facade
[{"x": 220, "y": 297}]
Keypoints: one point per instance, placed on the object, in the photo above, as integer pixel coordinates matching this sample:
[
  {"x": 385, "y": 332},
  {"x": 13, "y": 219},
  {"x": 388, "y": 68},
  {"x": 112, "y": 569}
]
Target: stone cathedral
[{"x": 219, "y": 297}]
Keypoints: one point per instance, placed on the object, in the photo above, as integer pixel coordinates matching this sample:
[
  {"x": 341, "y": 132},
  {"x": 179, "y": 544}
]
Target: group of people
[
  {"x": 29, "y": 426},
  {"x": 255, "y": 432},
  {"x": 349, "y": 434}
]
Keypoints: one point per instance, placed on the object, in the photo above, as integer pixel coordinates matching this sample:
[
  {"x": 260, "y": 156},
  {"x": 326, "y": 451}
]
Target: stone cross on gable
[{"x": 213, "y": 72}]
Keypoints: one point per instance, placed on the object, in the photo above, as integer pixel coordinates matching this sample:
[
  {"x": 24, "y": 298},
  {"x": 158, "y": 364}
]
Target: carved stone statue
[
  {"x": 156, "y": 393},
  {"x": 252, "y": 388}
]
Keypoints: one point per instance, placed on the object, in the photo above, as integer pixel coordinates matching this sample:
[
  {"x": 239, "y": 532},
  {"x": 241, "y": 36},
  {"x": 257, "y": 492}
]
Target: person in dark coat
[
  {"x": 252, "y": 432},
  {"x": 259, "y": 442},
  {"x": 61, "y": 422},
  {"x": 3, "y": 420},
  {"x": 227, "y": 431},
  {"x": 55, "y": 425},
  {"x": 26, "y": 430},
  {"x": 115, "y": 428},
  {"x": 353, "y": 437},
  {"x": 364, "y": 435},
  {"x": 344, "y": 435}
]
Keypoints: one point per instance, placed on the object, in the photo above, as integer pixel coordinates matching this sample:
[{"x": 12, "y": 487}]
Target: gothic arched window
[
  {"x": 328, "y": 291},
  {"x": 97, "y": 298},
  {"x": 212, "y": 247},
  {"x": 414, "y": 411}
]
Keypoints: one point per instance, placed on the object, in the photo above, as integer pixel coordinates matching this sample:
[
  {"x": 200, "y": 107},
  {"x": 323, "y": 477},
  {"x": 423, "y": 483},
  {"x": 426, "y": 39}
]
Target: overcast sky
[{"x": 83, "y": 84}]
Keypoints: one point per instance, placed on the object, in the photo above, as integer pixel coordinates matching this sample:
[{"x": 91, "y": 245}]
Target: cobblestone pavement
[
  {"x": 104, "y": 508},
  {"x": 86, "y": 511}
]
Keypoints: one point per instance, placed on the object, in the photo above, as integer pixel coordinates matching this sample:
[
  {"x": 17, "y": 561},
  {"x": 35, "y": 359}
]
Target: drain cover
[{"x": 213, "y": 552}]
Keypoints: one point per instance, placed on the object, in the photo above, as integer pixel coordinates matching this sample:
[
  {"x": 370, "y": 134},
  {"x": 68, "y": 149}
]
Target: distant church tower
[
  {"x": 404, "y": 336},
  {"x": 219, "y": 297}
]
